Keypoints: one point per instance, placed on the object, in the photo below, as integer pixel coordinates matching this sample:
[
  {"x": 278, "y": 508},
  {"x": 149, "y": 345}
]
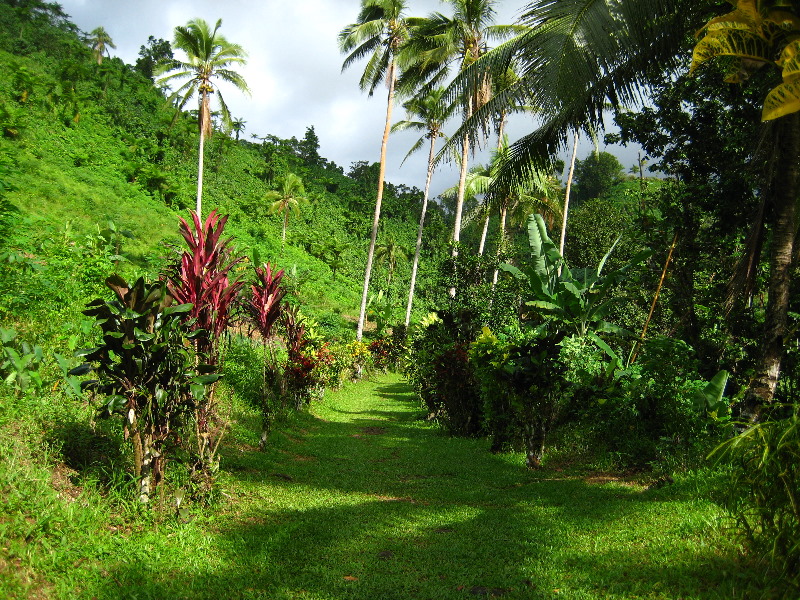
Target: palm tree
[
  {"x": 287, "y": 198},
  {"x": 431, "y": 113},
  {"x": 209, "y": 56},
  {"x": 378, "y": 33},
  {"x": 440, "y": 42},
  {"x": 100, "y": 42},
  {"x": 581, "y": 54},
  {"x": 388, "y": 253},
  {"x": 238, "y": 126}
]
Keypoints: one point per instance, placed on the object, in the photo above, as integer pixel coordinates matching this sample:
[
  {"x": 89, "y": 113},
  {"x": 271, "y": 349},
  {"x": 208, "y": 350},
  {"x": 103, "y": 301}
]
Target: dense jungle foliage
[{"x": 140, "y": 341}]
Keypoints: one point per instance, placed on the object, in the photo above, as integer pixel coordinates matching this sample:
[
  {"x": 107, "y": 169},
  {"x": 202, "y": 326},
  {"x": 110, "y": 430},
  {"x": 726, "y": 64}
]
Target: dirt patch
[
  {"x": 297, "y": 457},
  {"x": 374, "y": 430},
  {"x": 61, "y": 478}
]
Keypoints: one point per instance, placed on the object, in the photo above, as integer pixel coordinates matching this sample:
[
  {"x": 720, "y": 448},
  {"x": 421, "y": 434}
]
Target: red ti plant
[
  {"x": 299, "y": 366},
  {"x": 264, "y": 304},
  {"x": 202, "y": 278},
  {"x": 264, "y": 308}
]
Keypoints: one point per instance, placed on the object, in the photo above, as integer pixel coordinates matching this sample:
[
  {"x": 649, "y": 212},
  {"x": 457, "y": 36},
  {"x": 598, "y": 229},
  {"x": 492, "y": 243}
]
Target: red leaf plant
[
  {"x": 264, "y": 304},
  {"x": 264, "y": 308},
  {"x": 202, "y": 279}
]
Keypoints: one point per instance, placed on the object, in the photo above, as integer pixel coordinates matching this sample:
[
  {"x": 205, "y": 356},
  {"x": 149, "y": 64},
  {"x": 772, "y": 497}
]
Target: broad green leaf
[
  {"x": 179, "y": 308},
  {"x": 80, "y": 370},
  {"x": 603, "y": 346},
  {"x": 7, "y": 335},
  {"x": 709, "y": 397}
]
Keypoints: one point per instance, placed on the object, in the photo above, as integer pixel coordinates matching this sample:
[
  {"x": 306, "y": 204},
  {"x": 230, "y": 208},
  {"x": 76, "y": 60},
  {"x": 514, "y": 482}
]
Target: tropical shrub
[
  {"x": 146, "y": 371},
  {"x": 381, "y": 350},
  {"x": 264, "y": 309},
  {"x": 20, "y": 362},
  {"x": 442, "y": 375},
  {"x": 764, "y": 488},
  {"x": 201, "y": 281},
  {"x": 303, "y": 372},
  {"x": 521, "y": 378}
]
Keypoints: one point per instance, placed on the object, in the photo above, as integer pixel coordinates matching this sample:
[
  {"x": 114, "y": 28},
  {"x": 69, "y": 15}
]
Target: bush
[
  {"x": 442, "y": 375},
  {"x": 523, "y": 388},
  {"x": 764, "y": 489}
]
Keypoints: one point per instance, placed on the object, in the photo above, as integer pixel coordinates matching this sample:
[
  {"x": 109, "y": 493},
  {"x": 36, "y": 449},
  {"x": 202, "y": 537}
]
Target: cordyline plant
[
  {"x": 299, "y": 366},
  {"x": 146, "y": 370},
  {"x": 264, "y": 308},
  {"x": 202, "y": 280}
]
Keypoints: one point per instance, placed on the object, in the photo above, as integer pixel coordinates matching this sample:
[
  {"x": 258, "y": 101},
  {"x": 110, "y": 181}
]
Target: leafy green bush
[
  {"x": 523, "y": 388},
  {"x": 146, "y": 370},
  {"x": 442, "y": 375},
  {"x": 764, "y": 488}
]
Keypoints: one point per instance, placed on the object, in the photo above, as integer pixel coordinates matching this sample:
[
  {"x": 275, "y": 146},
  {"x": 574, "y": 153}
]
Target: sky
[{"x": 294, "y": 73}]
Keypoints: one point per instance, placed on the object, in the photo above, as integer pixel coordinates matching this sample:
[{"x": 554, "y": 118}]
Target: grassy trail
[{"x": 360, "y": 499}]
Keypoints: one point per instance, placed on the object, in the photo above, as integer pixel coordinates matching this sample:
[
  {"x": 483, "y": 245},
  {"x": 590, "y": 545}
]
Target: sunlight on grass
[{"x": 361, "y": 499}]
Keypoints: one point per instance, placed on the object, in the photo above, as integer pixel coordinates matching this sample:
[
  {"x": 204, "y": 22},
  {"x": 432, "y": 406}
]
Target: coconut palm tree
[
  {"x": 388, "y": 252},
  {"x": 209, "y": 57},
  {"x": 440, "y": 44},
  {"x": 378, "y": 34},
  {"x": 287, "y": 199},
  {"x": 238, "y": 126},
  {"x": 100, "y": 42},
  {"x": 430, "y": 112},
  {"x": 579, "y": 55}
]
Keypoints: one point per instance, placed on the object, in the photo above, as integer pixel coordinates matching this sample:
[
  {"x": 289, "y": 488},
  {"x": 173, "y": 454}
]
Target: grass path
[{"x": 360, "y": 499}]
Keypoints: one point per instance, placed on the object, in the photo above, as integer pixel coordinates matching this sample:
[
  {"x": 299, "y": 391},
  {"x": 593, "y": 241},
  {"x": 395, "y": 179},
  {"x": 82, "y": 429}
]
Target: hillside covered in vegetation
[{"x": 600, "y": 369}]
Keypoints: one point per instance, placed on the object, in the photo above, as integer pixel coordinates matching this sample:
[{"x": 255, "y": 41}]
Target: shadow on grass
[{"x": 377, "y": 508}]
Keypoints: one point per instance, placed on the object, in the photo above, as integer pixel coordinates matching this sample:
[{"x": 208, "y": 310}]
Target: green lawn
[{"x": 362, "y": 499}]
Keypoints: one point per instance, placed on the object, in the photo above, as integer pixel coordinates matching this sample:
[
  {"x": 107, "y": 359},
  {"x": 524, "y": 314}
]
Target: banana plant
[
  {"x": 577, "y": 300},
  {"x": 146, "y": 370}
]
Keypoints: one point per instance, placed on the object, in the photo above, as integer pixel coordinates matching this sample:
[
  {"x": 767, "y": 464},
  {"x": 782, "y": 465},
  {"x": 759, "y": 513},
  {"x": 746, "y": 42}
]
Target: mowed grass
[{"x": 362, "y": 499}]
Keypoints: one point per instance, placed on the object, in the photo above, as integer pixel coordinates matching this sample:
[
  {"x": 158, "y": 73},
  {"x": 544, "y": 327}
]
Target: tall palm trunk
[
  {"x": 199, "y": 203},
  {"x": 785, "y": 188},
  {"x": 485, "y": 232},
  {"x": 501, "y": 242},
  {"x": 205, "y": 125},
  {"x": 431, "y": 157},
  {"x": 462, "y": 185},
  {"x": 566, "y": 199},
  {"x": 482, "y": 245},
  {"x": 379, "y": 199},
  {"x": 285, "y": 224}
]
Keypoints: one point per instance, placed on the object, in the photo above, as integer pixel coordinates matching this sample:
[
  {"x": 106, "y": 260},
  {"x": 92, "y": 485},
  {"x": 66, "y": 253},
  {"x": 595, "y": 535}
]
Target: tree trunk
[
  {"x": 462, "y": 184},
  {"x": 431, "y": 157},
  {"x": 485, "y": 231},
  {"x": 784, "y": 189},
  {"x": 376, "y": 218},
  {"x": 534, "y": 443},
  {"x": 199, "y": 203},
  {"x": 566, "y": 199},
  {"x": 204, "y": 116},
  {"x": 500, "y": 244},
  {"x": 283, "y": 233}
]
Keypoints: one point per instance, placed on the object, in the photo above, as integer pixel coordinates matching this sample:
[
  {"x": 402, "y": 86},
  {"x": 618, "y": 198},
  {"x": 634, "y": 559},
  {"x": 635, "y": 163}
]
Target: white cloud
[{"x": 293, "y": 70}]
